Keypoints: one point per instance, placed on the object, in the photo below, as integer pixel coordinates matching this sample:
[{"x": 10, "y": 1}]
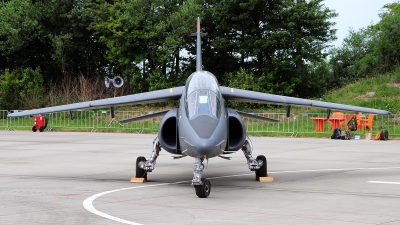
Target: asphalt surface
[{"x": 83, "y": 178}]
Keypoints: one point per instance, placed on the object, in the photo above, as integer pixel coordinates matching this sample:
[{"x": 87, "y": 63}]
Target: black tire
[
  {"x": 262, "y": 172},
  {"x": 41, "y": 129},
  {"x": 34, "y": 129},
  {"x": 203, "y": 191},
  {"x": 197, "y": 189},
  {"x": 140, "y": 173}
]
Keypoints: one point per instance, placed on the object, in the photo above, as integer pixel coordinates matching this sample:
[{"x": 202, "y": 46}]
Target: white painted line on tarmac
[
  {"x": 88, "y": 203},
  {"x": 344, "y": 169},
  {"x": 383, "y": 182}
]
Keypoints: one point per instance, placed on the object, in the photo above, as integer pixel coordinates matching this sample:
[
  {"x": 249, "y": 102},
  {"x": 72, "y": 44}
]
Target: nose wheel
[{"x": 204, "y": 190}]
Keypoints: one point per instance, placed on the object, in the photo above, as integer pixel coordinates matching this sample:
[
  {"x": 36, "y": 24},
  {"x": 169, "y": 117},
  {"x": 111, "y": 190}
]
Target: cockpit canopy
[{"x": 202, "y": 95}]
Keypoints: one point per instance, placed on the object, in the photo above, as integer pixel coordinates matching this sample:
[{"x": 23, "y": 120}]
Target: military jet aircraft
[{"x": 201, "y": 127}]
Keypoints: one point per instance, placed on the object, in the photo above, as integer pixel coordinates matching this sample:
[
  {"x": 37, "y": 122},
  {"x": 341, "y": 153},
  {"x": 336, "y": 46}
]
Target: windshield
[
  {"x": 203, "y": 102},
  {"x": 202, "y": 80},
  {"x": 202, "y": 91}
]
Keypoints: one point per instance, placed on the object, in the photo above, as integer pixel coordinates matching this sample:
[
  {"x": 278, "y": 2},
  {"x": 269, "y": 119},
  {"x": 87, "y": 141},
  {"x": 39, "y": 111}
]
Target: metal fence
[
  {"x": 390, "y": 123},
  {"x": 285, "y": 124},
  {"x": 294, "y": 125},
  {"x": 105, "y": 122},
  {"x": 20, "y": 123},
  {"x": 81, "y": 120},
  {"x": 3, "y": 120}
]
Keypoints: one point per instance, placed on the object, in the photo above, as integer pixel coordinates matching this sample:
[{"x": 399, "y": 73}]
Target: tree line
[{"x": 51, "y": 51}]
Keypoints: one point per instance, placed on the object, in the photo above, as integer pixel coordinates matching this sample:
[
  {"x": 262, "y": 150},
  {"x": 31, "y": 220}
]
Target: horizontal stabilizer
[
  {"x": 252, "y": 116},
  {"x": 148, "y": 116}
]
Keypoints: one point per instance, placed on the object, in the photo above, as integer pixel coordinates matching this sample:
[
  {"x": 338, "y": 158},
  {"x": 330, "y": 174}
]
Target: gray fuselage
[{"x": 202, "y": 117}]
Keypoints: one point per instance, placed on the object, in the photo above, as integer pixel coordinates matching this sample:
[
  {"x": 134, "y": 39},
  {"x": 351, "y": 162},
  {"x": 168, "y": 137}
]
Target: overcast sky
[{"x": 354, "y": 13}]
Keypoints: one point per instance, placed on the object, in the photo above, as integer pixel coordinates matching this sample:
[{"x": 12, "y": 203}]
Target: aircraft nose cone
[
  {"x": 204, "y": 148},
  {"x": 207, "y": 149}
]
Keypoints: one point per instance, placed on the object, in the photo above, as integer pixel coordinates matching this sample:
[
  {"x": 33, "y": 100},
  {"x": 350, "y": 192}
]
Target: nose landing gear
[
  {"x": 204, "y": 190},
  {"x": 202, "y": 186}
]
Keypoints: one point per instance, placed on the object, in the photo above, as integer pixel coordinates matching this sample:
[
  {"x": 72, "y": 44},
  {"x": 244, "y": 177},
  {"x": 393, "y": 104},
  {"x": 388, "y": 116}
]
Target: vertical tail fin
[{"x": 199, "y": 63}]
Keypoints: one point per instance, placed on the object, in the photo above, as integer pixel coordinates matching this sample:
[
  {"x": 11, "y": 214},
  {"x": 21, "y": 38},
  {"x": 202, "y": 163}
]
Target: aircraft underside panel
[{"x": 237, "y": 131}]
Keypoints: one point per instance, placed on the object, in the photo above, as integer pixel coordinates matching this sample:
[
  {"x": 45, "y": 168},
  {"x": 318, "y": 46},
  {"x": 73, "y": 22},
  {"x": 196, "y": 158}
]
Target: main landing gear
[
  {"x": 144, "y": 166},
  {"x": 259, "y": 165}
]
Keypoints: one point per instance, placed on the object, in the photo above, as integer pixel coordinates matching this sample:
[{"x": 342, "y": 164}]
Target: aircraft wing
[
  {"x": 252, "y": 116},
  {"x": 135, "y": 99},
  {"x": 145, "y": 117},
  {"x": 233, "y": 94}
]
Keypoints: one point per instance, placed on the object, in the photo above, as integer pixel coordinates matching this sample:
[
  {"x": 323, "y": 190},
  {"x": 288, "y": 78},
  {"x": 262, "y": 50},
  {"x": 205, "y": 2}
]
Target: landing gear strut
[
  {"x": 144, "y": 166},
  {"x": 259, "y": 165},
  {"x": 202, "y": 186}
]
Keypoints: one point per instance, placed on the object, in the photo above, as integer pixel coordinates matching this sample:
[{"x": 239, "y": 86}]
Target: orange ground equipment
[
  {"x": 336, "y": 121},
  {"x": 368, "y": 122},
  {"x": 40, "y": 123}
]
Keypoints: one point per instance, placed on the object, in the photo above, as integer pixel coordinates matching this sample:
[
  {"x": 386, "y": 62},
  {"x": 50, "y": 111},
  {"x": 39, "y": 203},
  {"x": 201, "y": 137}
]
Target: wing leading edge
[
  {"x": 142, "y": 98},
  {"x": 233, "y": 94}
]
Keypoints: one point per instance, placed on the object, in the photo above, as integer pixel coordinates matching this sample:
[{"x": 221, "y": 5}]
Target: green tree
[
  {"x": 355, "y": 58},
  {"x": 21, "y": 89},
  {"x": 20, "y": 28},
  {"x": 388, "y": 44},
  {"x": 8, "y": 91},
  {"x": 275, "y": 39},
  {"x": 146, "y": 41},
  {"x": 369, "y": 51},
  {"x": 31, "y": 89},
  {"x": 50, "y": 35},
  {"x": 144, "y": 37}
]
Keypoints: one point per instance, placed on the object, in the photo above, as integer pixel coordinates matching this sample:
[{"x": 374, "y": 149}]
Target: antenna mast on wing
[{"x": 198, "y": 47}]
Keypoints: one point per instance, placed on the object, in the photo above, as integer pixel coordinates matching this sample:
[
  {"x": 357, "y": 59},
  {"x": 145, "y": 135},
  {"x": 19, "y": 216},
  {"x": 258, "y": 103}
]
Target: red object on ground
[{"x": 40, "y": 123}]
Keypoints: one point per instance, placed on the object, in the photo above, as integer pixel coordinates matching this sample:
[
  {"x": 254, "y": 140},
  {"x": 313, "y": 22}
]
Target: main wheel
[
  {"x": 203, "y": 191},
  {"x": 34, "y": 129},
  {"x": 262, "y": 172},
  {"x": 140, "y": 173},
  {"x": 41, "y": 128}
]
